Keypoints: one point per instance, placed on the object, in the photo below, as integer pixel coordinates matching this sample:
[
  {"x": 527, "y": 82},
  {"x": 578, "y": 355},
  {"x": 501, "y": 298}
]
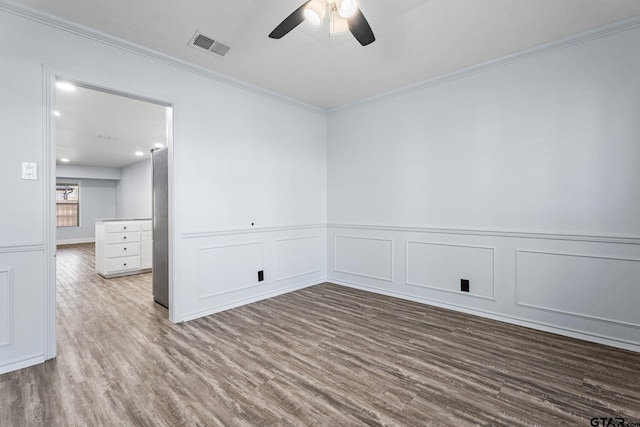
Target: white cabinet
[
  {"x": 146, "y": 244},
  {"x": 123, "y": 247}
]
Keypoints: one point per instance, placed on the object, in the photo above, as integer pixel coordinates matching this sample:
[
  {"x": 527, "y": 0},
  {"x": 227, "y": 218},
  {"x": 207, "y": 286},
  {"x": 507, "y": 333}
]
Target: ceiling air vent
[{"x": 215, "y": 47}]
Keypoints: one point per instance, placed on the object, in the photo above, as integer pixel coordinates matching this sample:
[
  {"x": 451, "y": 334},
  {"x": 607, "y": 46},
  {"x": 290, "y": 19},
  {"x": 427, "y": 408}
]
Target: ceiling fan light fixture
[
  {"x": 314, "y": 12},
  {"x": 347, "y": 8},
  {"x": 338, "y": 25},
  {"x": 344, "y": 15}
]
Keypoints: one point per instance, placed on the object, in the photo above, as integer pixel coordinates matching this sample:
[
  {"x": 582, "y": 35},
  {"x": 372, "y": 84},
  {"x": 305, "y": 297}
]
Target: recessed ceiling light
[
  {"x": 139, "y": 153},
  {"x": 56, "y": 113},
  {"x": 158, "y": 145},
  {"x": 64, "y": 160},
  {"x": 66, "y": 86}
]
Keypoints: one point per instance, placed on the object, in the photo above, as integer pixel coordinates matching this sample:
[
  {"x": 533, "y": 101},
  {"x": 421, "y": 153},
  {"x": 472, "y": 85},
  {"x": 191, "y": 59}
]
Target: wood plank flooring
[{"x": 322, "y": 356}]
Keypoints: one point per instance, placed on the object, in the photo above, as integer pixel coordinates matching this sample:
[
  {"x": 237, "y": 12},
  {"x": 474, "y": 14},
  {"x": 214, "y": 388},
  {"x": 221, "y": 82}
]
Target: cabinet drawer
[
  {"x": 145, "y": 226},
  {"x": 121, "y": 226},
  {"x": 123, "y": 264},
  {"x": 123, "y": 249},
  {"x": 122, "y": 237}
]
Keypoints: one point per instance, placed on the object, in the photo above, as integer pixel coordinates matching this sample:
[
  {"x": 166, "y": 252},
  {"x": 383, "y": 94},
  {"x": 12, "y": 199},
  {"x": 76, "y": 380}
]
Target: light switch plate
[{"x": 29, "y": 170}]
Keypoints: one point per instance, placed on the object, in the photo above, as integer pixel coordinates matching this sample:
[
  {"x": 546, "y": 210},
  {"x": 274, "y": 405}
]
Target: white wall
[
  {"x": 134, "y": 191},
  {"x": 500, "y": 177},
  {"x": 549, "y": 143},
  {"x": 522, "y": 178},
  {"x": 97, "y": 200},
  {"x": 227, "y": 174}
]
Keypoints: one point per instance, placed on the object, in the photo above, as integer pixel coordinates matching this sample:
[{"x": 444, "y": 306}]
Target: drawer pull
[
  {"x": 124, "y": 249},
  {"x": 124, "y": 238},
  {"x": 124, "y": 227},
  {"x": 125, "y": 264}
]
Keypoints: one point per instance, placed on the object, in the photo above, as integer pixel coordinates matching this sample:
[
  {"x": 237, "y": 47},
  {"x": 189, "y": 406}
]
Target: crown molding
[
  {"x": 579, "y": 38},
  {"x": 91, "y": 34}
]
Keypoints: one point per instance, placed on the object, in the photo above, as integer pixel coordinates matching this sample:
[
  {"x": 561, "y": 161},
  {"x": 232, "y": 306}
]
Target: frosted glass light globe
[{"x": 347, "y": 8}]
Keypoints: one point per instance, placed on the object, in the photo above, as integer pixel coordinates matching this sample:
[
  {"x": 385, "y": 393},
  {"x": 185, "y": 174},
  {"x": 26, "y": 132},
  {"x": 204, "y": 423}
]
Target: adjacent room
[
  {"x": 111, "y": 182},
  {"x": 324, "y": 212}
]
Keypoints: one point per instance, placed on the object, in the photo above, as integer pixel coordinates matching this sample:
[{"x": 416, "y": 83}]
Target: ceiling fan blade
[
  {"x": 360, "y": 29},
  {"x": 289, "y": 23}
]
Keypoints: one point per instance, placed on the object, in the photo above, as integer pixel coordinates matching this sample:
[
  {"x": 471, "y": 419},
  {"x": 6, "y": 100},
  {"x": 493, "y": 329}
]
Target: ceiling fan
[{"x": 343, "y": 15}]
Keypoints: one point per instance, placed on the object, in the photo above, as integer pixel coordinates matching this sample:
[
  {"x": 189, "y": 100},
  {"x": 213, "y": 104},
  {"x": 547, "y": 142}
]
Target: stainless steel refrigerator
[{"x": 160, "y": 209}]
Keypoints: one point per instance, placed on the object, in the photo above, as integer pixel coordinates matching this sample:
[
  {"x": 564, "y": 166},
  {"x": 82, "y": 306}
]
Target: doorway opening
[{"x": 104, "y": 187}]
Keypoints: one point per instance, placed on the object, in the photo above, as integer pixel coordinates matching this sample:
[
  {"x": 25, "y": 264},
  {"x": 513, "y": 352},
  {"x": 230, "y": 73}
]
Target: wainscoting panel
[
  {"x": 219, "y": 269},
  {"x": 22, "y": 307},
  {"x": 442, "y": 266},
  {"x": 223, "y": 269},
  {"x": 582, "y": 286},
  {"x": 298, "y": 257},
  {"x": 364, "y": 256},
  {"x": 593, "y": 287},
  {"x": 6, "y": 306}
]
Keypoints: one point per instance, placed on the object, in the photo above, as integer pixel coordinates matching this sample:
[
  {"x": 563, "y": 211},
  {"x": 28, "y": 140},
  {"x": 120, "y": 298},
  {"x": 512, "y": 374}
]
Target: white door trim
[{"x": 49, "y": 180}]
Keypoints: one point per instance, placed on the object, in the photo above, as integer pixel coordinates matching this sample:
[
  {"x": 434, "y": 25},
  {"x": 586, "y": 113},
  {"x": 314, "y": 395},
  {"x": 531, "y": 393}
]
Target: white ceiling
[
  {"x": 416, "y": 40},
  {"x": 101, "y": 129}
]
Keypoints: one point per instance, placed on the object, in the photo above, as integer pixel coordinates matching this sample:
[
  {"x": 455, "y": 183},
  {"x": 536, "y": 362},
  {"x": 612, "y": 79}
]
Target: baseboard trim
[
  {"x": 22, "y": 363},
  {"x": 252, "y": 299},
  {"x": 540, "y": 326},
  {"x": 75, "y": 241}
]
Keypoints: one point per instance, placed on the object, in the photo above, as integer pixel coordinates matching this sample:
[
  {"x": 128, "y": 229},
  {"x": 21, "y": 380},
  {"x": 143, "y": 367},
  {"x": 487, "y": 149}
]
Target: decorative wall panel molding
[
  {"x": 224, "y": 269},
  {"x": 519, "y": 234},
  {"x": 6, "y": 306},
  {"x": 364, "y": 256},
  {"x": 253, "y": 230},
  {"x": 441, "y": 266},
  {"x": 7, "y": 248},
  {"x": 586, "y": 289},
  {"x": 595, "y": 287},
  {"x": 297, "y": 256}
]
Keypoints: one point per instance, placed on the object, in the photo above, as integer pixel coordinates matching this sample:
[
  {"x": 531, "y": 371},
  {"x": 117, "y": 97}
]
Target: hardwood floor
[{"x": 322, "y": 356}]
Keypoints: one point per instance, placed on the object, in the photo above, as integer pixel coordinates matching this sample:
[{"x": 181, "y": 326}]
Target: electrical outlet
[
  {"x": 464, "y": 285},
  {"x": 260, "y": 275}
]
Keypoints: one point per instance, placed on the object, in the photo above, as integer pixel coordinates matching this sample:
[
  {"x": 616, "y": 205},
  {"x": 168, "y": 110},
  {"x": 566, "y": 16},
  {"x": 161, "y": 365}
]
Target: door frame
[{"x": 51, "y": 74}]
